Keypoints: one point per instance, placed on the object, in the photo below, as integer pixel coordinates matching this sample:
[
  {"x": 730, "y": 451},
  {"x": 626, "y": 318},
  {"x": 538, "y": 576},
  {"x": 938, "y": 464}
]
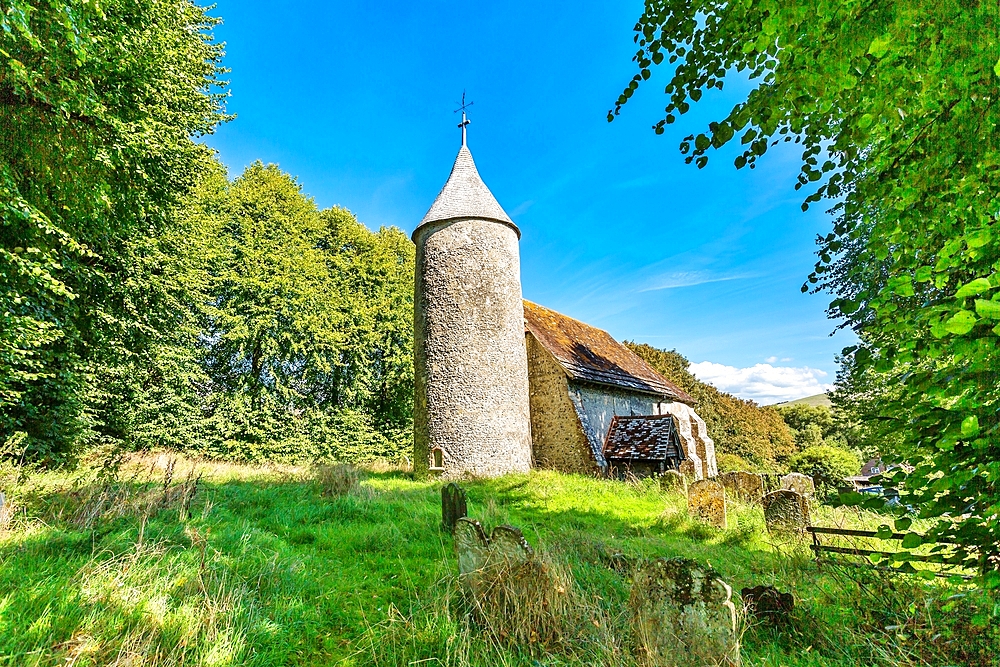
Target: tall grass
[{"x": 170, "y": 561}]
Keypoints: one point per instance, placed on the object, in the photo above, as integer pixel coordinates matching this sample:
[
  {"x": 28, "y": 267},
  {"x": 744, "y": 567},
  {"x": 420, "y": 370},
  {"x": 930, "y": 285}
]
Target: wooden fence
[{"x": 906, "y": 557}]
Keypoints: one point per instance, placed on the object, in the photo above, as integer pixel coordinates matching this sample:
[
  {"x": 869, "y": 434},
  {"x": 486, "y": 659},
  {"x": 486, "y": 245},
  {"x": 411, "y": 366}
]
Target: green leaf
[
  {"x": 902, "y": 523},
  {"x": 901, "y": 285},
  {"x": 847, "y": 306},
  {"x": 880, "y": 46},
  {"x": 884, "y": 532},
  {"x": 912, "y": 541},
  {"x": 970, "y": 426},
  {"x": 961, "y": 322},
  {"x": 988, "y": 309},
  {"x": 977, "y": 286},
  {"x": 996, "y": 68},
  {"x": 851, "y": 497}
]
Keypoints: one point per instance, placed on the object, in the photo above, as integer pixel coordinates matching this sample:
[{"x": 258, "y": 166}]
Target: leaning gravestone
[
  {"x": 478, "y": 553},
  {"x": 673, "y": 480},
  {"x": 453, "y": 506},
  {"x": 747, "y": 486},
  {"x": 799, "y": 483},
  {"x": 785, "y": 511},
  {"x": 707, "y": 501},
  {"x": 682, "y": 615}
]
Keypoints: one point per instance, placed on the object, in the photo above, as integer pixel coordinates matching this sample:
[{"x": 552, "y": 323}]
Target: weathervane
[{"x": 465, "y": 121}]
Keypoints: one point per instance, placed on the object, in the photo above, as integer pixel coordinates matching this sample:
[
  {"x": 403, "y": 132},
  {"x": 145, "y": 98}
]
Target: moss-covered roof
[{"x": 588, "y": 354}]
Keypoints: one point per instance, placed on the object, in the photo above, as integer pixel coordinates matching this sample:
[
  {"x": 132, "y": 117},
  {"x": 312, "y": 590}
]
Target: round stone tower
[{"x": 470, "y": 361}]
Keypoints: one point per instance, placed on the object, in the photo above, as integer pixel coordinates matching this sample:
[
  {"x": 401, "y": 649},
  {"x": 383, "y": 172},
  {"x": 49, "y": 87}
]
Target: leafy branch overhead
[{"x": 894, "y": 103}]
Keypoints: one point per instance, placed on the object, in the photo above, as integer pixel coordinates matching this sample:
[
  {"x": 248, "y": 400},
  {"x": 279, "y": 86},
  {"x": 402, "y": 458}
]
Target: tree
[
  {"x": 308, "y": 343},
  {"x": 743, "y": 429},
  {"x": 99, "y": 104},
  {"x": 828, "y": 466},
  {"x": 895, "y": 105}
]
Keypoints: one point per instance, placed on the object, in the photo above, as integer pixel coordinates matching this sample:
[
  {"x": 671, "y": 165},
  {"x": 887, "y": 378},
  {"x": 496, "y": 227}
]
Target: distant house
[
  {"x": 580, "y": 380},
  {"x": 873, "y": 467}
]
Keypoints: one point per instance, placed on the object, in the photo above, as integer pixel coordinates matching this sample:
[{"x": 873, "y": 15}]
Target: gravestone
[
  {"x": 682, "y": 614},
  {"x": 785, "y": 511},
  {"x": 747, "y": 486},
  {"x": 799, "y": 483},
  {"x": 673, "y": 480},
  {"x": 506, "y": 546},
  {"x": 471, "y": 545},
  {"x": 453, "y": 506},
  {"x": 707, "y": 502},
  {"x": 768, "y": 604},
  {"x": 688, "y": 469}
]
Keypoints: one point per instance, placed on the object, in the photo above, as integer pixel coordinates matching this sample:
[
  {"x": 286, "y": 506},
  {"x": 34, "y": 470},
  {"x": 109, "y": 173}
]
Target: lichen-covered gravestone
[
  {"x": 453, "y": 506},
  {"x": 747, "y": 486},
  {"x": 477, "y": 553},
  {"x": 799, "y": 483},
  {"x": 682, "y": 615},
  {"x": 707, "y": 502},
  {"x": 673, "y": 480},
  {"x": 786, "y": 511}
]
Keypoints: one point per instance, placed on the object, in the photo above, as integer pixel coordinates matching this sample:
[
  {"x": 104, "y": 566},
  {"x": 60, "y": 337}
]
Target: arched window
[{"x": 437, "y": 455}]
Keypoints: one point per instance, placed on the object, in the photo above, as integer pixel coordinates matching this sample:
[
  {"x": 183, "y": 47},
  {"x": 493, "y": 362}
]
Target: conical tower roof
[{"x": 466, "y": 196}]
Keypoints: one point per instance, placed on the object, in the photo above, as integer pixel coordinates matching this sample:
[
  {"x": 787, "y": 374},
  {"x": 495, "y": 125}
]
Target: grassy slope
[
  {"x": 267, "y": 571},
  {"x": 814, "y": 401}
]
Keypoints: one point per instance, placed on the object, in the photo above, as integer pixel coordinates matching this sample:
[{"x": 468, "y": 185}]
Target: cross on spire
[{"x": 465, "y": 121}]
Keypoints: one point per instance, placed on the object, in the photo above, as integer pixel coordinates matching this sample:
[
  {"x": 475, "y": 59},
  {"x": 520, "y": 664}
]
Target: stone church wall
[
  {"x": 596, "y": 405},
  {"x": 557, "y": 439}
]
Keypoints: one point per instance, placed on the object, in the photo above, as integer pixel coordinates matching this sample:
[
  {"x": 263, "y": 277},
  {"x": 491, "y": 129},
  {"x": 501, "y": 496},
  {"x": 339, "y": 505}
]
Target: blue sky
[{"x": 356, "y": 100}]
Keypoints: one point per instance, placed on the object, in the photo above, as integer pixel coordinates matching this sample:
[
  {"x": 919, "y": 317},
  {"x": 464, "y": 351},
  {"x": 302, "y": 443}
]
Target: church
[{"x": 503, "y": 385}]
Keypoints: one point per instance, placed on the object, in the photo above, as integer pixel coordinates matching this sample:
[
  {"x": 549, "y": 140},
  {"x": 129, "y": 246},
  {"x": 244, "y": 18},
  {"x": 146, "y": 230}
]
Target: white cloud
[
  {"x": 763, "y": 383},
  {"x": 690, "y": 279},
  {"x": 771, "y": 360}
]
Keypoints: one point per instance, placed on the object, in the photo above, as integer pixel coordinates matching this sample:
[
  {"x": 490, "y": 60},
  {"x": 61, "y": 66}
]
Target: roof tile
[{"x": 589, "y": 354}]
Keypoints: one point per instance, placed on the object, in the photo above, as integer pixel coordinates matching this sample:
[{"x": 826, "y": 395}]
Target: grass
[
  {"x": 816, "y": 400},
  {"x": 216, "y": 564}
]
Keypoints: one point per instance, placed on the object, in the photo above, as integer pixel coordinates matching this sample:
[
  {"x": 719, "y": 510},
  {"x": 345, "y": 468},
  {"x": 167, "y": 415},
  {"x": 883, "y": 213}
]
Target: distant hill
[{"x": 818, "y": 399}]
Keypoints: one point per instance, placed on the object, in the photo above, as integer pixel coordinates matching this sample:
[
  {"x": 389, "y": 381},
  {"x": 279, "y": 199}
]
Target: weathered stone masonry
[
  {"x": 470, "y": 363},
  {"x": 557, "y": 437}
]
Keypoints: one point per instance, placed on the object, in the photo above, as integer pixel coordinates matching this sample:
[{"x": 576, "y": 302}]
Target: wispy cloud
[
  {"x": 690, "y": 279},
  {"x": 522, "y": 207},
  {"x": 763, "y": 383}
]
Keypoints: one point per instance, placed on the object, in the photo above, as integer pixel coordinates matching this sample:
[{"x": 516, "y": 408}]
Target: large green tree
[
  {"x": 895, "y": 103},
  {"x": 100, "y": 102},
  {"x": 308, "y": 344}
]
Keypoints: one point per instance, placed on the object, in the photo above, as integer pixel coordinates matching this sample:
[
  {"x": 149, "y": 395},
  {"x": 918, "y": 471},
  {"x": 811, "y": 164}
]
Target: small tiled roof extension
[{"x": 648, "y": 438}]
